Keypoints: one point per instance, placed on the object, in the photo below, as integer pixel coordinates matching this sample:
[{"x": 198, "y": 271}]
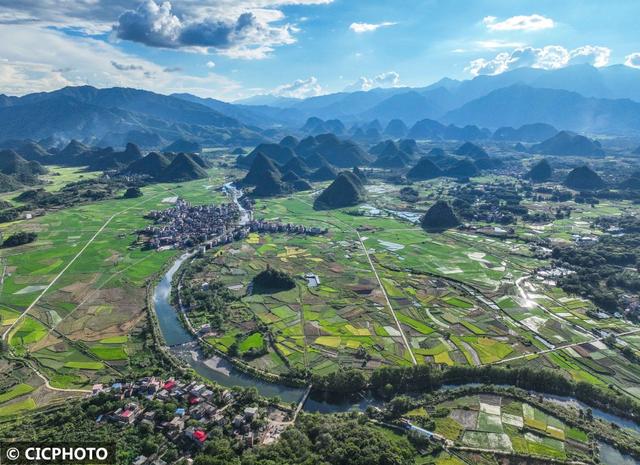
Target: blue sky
[{"x": 232, "y": 49}]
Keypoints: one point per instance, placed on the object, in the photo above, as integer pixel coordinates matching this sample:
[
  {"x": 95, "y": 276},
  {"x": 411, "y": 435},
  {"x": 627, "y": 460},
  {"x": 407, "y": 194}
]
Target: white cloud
[
  {"x": 210, "y": 64},
  {"x": 549, "y": 57},
  {"x": 633, "y": 60},
  {"x": 359, "y": 28},
  {"x": 251, "y": 35},
  {"x": 69, "y": 61},
  {"x": 589, "y": 54},
  {"x": 99, "y": 15},
  {"x": 300, "y": 88},
  {"x": 497, "y": 44},
  {"x": 235, "y": 28},
  {"x": 388, "y": 79},
  {"x": 519, "y": 23}
]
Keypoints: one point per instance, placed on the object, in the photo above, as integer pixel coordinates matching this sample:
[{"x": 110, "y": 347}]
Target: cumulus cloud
[
  {"x": 95, "y": 16},
  {"x": 549, "y": 57},
  {"x": 237, "y": 28},
  {"x": 633, "y": 60},
  {"x": 70, "y": 61},
  {"x": 300, "y": 88},
  {"x": 359, "y": 28},
  {"x": 388, "y": 79},
  {"x": 250, "y": 35},
  {"x": 592, "y": 55},
  {"x": 210, "y": 64},
  {"x": 519, "y": 23}
]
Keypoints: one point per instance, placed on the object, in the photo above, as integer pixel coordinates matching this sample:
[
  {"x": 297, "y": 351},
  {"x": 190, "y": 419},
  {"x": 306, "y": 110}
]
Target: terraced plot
[{"x": 500, "y": 423}]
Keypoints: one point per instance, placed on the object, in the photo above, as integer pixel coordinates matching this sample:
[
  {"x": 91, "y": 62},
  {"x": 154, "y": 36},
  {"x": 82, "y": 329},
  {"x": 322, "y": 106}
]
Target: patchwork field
[
  {"x": 500, "y": 423},
  {"x": 459, "y": 297},
  {"x": 86, "y": 327},
  {"x": 388, "y": 293}
]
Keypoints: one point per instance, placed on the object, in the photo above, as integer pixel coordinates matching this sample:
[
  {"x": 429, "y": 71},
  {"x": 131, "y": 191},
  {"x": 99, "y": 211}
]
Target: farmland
[
  {"x": 387, "y": 294},
  {"x": 500, "y": 423},
  {"x": 493, "y": 423},
  {"x": 452, "y": 298},
  {"x": 83, "y": 284}
]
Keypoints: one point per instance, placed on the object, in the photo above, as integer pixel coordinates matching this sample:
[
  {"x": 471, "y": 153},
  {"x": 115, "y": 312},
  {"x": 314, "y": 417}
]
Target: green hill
[
  {"x": 154, "y": 165},
  {"x": 261, "y": 167},
  {"x": 25, "y": 172},
  {"x": 315, "y": 160},
  {"x": 540, "y": 172},
  {"x": 108, "y": 159},
  {"x": 423, "y": 170},
  {"x": 567, "y": 143},
  {"x": 183, "y": 168},
  {"x": 276, "y": 152},
  {"x": 345, "y": 191},
  {"x": 358, "y": 172},
  {"x": 30, "y": 150},
  {"x": 270, "y": 185},
  {"x": 271, "y": 281},
  {"x": 340, "y": 153},
  {"x": 8, "y": 183},
  {"x": 439, "y": 217},
  {"x": 298, "y": 166},
  {"x": 463, "y": 169},
  {"x": 471, "y": 150},
  {"x": 324, "y": 173},
  {"x": 583, "y": 178}
]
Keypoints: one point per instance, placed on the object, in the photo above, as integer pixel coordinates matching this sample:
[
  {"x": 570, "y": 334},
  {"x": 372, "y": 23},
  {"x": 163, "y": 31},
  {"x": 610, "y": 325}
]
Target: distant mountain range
[
  {"x": 115, "y": 116},
  {"x": 519, "y": 104},
  {"x": 600, "y": 100},
  {"x": 578, "y": 98}
]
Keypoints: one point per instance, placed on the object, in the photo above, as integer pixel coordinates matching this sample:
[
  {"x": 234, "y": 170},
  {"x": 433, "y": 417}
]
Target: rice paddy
[
  {"x": 454, "y": 295},
  {"x": 89, "y": 315},
  {"x": 494, "y": 422},
  {"x": 449, "y": 298}
]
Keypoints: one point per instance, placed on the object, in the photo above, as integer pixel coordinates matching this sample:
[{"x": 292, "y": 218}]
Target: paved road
[
  {"x": 89, "y": 242},
  {"x": 49, "y": 386},
  {"x": 55, "y": 279},
  {"x": 386, "y": 298},
  {"x": 567, "y": 346},
  {"x": 44, "y": 291}
]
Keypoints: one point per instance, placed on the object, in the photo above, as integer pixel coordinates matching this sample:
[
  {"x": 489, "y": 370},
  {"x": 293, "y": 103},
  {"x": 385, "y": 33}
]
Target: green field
[
  {"x": 101, "y": 296},
  {"x": 16, "y": 391},
  {"x": 17, "y": 407},
  {"x": 500, "y": 423},
  {"x": 446, "y": 298}
]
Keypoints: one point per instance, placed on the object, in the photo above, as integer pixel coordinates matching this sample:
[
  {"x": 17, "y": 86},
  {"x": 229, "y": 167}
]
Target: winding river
[{"x": 185, "y": 346}]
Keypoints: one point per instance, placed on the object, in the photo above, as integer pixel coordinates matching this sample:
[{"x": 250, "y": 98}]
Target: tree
[{"x": 19, "y": 238}]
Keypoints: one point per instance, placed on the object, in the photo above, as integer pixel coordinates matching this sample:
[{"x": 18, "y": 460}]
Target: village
[
  {"x": 188, "y": 412},
  {"x": 185, "y": 226}
]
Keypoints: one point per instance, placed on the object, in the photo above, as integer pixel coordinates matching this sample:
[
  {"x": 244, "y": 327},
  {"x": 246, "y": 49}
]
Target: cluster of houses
[
  {"x": 185, "y": 225},
  {"x": 199, "y": 409},
  {"x": 289, "y": 228}
]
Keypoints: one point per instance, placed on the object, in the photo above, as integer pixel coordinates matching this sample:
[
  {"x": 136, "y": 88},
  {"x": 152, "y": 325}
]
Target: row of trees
[{"x": 389, "y": 381}]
